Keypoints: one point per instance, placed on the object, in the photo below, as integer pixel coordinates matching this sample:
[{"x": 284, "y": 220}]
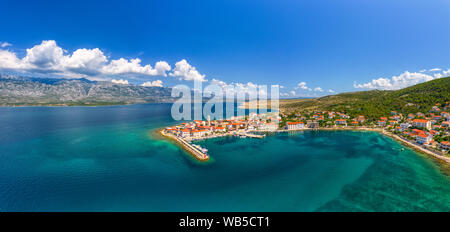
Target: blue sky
[{"x": 302, "y": 45}]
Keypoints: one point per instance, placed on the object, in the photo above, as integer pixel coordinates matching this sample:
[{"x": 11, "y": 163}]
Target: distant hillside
[
  {"x": 49, "y": 91},
  {"x": 376, "y": 103}
]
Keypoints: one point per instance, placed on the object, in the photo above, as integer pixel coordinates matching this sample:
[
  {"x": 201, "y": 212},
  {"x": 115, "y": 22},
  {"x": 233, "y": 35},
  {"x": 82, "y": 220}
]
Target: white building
[
  {"x": 341, "y": 122},
  {"x": 423, "y": 138},
  {"x": 405, "y": 126},
  {"x": 186, "y": 133},
  {"x": 295, "y": 125},
  {"x": 445, "y": 145},
  {"x": 268, "y": 126},
  {"x": 422, "y": 123},
  {"x": 198, "y": 133}
]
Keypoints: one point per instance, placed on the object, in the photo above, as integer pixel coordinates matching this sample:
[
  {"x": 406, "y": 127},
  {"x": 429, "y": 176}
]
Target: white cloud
[
  {"x": 5, "y": 44},
  {"x": 446, "y": 73},
  {"x": 120, "y": 82},
  {"x": 185, "y": 71},
  {"x": 9, "y": 60},
  {"x": 219, "y": 83},
  {"x": 157, "y": 83},
  {"x": 302, "y": 85},
  {"x": 398, "y": 82},
  {"x": 292, "y": 93},
  {"x": 242, "y": 88},
  {"x": 437, "y": 75},
  {"x": 84, "y": 61},
  {"x": 435, "y": 70},
  {"x": 123, "y": 66},
  {"x": 318, "y": 89},
  {"x": 48, "y": 57},
  {"x": 331, "y": 91}
]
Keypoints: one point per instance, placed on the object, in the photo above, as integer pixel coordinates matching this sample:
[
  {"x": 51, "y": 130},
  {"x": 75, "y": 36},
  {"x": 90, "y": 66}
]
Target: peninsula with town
[{"x": 424, "y": 128}]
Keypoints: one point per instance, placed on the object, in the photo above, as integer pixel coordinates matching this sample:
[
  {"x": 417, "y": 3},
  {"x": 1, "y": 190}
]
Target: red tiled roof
[
  {"x": 294, "y": 123},
  {"x": 420, "y": 120},
  {"x": 417, "y": 131},
  {"x": 422, "y": 135}
]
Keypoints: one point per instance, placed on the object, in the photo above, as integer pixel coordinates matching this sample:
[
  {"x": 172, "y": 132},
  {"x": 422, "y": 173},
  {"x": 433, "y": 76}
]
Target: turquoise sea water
[{"x": 107, "y": 159}]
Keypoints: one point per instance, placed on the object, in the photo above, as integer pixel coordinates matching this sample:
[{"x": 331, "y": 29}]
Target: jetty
[{"x": 196, "y": 151}]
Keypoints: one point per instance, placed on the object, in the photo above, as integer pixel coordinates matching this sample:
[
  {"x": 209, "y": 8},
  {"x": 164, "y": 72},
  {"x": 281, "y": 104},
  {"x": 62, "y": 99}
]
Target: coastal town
[{"x": 427, "y": 132}]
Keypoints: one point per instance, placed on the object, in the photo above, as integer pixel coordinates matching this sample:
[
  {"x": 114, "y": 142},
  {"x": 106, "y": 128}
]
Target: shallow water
[{"x": 107, "y": 159}]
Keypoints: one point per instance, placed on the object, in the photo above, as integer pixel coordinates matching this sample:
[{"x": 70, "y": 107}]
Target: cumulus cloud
[
  {"x": 133, "y": 66},
  {"x": 9, "y": 60},
  {"x": 302, "y": 85},
  {"x": 318, "y": 89},
  {"x": 120, "y": 82},
  {"x": 46, "y": 55},
  {"x": 157, "y": 83},
  {"x": 187, "y": 72},
  {"x": 435, "y": 70},
  {"x": 398, "y": 82},
  {"x": 84, "y": 61},
  {"x": 219, "y": 83},
  {"x": 446, "y": 73},
  {"x": 5, "y": 44},
  {"x": 49, "y": 57},
  {"x": 331, "y": 91},
  {"x": 242, "y": 88}
]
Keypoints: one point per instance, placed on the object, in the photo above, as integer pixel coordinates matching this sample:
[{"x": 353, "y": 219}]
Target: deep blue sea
[{"x": 109, "y": 159}]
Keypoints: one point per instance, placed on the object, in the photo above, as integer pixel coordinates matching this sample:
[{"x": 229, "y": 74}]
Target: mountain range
[{"x": 19, "y": 91}]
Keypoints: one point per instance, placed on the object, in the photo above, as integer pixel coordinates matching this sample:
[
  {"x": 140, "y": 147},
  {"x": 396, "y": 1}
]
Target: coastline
[
  {"x": 441, "y": 158},
  {"x": 404, "y": 142}
]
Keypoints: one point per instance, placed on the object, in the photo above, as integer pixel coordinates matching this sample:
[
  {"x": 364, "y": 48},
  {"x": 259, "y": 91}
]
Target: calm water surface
[{"x": 107, "y": 159}]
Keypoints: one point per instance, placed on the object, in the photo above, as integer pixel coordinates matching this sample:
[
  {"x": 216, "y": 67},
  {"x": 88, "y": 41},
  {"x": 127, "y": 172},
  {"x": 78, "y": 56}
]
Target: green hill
[{"x": 376, "y": 103}]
